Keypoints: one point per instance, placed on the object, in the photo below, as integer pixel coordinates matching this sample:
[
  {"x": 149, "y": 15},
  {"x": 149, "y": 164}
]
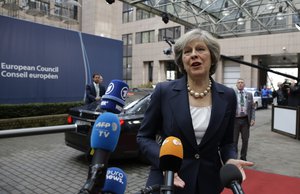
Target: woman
[{"x": 198, "y": 111}]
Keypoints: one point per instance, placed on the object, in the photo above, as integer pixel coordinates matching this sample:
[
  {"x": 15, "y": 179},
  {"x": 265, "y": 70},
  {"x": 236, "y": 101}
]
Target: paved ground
[{"x": 44, "y": 165}]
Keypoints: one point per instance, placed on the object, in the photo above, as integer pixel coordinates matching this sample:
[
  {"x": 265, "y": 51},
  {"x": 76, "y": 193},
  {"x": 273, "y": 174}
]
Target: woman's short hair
[{"x": 197, "y": 34}]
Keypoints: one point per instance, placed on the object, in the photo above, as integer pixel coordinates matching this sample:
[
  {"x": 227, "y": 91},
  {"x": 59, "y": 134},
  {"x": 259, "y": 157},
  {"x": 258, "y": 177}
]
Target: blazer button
[{"x": 197, "y": 156}]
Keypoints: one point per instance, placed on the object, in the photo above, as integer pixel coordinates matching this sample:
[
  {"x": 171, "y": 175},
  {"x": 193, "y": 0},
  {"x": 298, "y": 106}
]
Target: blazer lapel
[
  {"x": 179, "y": 104},
  {"x": 217, "y": 113}
]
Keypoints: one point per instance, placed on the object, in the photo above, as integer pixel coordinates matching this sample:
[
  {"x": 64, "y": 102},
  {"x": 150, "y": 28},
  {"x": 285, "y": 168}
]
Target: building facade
[{"x": 147, "y": 58}]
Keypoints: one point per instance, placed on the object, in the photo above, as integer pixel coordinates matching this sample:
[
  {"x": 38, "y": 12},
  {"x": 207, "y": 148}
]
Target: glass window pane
[
  {"x": 129, "y": 61},
  {"x": 124, "y": 39},
  {"x": 124, "y": 51},
  {"x": 138, "y": 14},
  {"x": 130, "y": 16},
  {"x": 145, "y": 37},
  {"x": 161, "y": 34},
  {"x": 169, "y": 32},
  {"x": 152, "y": 36},
  {"x": 138, "y": 38},
  {"x": 129, "y": 50},
  {"x": 177, "y": 32},
  {"x": 129, "y": 39},
  {"x": 124, "y": 18}
]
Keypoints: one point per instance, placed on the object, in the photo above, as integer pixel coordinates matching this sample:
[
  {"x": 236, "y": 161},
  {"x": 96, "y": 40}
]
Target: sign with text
[{"x": 39, "y": 63}]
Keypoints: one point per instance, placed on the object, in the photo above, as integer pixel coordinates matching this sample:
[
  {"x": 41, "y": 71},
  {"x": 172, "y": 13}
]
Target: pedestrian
[
  {"x": 281, "y": 95},
  {"x": 198, "y": 111},
  {"x": 264, "y": 97},
  {"x": 244, "y": 117},
  {"x": 95, "y": 90}
]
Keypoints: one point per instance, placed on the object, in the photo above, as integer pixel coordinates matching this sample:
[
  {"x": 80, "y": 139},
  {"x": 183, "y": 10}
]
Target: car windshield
[{"x": 131, "y": 101}]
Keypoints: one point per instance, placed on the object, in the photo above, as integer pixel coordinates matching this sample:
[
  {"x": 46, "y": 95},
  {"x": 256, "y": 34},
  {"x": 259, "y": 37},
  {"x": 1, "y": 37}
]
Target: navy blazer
[
  {"x": 169, "y": 115},
  {"x": 91, "y": 92}
]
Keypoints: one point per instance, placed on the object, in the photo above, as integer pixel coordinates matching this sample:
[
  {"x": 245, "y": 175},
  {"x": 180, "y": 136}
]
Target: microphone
[
  {"x": 170, "y": 159},
  {"x": 116, "y": 181},
  {"x": 104, "y": 138},
  {"x": 114, "y": 98},
  {"x": 231, "y": 178},
  {"x": 150, "y": 189}
]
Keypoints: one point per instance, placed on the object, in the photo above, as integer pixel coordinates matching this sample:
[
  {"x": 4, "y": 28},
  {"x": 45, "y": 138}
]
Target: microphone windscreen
[
  {"x": 171, "y": 154},
  {"x": 106, "y": 132},
  {"x": 229, "y": 173},
  {"x": 115, "y": 95},
  {"x": 115, "y": 182}
]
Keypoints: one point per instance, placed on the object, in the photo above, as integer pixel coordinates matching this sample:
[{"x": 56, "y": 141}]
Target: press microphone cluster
[
  {"x": 231, "y": 178},
  {"x": 105, "y": 135},
  {"x": 170, "y": 159}
]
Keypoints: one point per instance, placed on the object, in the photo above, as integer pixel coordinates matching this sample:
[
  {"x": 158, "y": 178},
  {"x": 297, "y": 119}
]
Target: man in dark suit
[
  {"x": 244, "y": 117},
  {"x": 95, "y": 90}
]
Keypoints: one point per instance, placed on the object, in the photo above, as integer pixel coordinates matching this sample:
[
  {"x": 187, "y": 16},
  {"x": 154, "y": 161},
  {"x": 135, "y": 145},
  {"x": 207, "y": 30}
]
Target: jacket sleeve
[
  {"x": 151, "y": 124},
  {"x": 227, "y": 148},
  {"x": 89, "y": 94},
  {"x": 252, "y": 107}
]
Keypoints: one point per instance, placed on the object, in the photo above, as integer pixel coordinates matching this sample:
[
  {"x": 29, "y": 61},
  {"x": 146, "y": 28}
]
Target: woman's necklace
[{"x": 199, "y": 94}]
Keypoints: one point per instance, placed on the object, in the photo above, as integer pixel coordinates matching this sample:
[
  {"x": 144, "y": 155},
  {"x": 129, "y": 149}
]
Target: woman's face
[{"x": 196, "y": 58}]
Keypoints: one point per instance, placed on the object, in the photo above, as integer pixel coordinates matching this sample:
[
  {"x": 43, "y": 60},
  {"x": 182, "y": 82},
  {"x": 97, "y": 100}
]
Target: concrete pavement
[{"x": 270, "y": 151}]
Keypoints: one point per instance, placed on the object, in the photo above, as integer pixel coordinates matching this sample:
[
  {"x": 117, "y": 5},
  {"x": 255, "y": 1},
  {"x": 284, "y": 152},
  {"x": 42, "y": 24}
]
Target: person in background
[
  {"x": 95, "y": 90},
  {"x": 198, "y": 111},
  {"x": 281, "y": 95},
  {"x": 265, "y": 96},
  {"x": 244, "y": 117}
]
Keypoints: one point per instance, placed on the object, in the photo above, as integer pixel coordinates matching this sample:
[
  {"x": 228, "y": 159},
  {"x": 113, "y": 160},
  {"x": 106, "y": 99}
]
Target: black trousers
[{"x": 241, "y": 126}]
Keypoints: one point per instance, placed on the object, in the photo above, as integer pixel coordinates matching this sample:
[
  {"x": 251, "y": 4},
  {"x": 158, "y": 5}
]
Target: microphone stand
[
  {"x": 169, "y": 181},
  {"x": 150, "y": 189},
  {"x": 95, "y": 180},
  {"x": 236, "y": 188}
]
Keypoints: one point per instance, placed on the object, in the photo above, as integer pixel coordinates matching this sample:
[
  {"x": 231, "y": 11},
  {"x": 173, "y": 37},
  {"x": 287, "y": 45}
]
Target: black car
[{"x": 130, "y": 120}]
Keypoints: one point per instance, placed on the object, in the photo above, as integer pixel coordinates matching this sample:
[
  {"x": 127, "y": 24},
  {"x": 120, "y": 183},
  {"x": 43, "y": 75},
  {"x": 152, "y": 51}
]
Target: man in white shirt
[{"x": 95, "y": 90}]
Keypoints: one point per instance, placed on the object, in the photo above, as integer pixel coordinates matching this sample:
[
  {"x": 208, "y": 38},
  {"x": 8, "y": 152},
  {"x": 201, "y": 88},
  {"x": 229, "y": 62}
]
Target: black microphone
[
  {"x": 104, "y": 139},
  {"x": 170, "y": 159},
  {"x": 231, "y": 177},
  {"x": 150, "y": 189}
]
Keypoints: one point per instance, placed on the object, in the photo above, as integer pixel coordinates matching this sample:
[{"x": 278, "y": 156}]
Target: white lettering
[
  {"x": 14, "y": 74},
  {"x": 26, "y": 71},
  {"x": 17, "y": 67},
  {"x": 103, "y": 124},
  {"x": 105, "y": 133}
]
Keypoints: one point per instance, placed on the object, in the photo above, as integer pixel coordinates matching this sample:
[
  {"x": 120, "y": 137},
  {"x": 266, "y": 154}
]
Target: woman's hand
[
  {"x": 240, "y": 164},
  {"x": 178, "y": 182}
]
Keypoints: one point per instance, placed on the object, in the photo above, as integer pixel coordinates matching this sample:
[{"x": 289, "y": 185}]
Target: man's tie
[{"x": 242, "y": 99}]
